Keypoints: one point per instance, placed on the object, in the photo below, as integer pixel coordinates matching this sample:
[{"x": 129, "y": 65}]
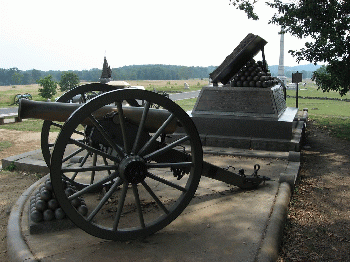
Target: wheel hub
[{"x": 133, "y": 169}]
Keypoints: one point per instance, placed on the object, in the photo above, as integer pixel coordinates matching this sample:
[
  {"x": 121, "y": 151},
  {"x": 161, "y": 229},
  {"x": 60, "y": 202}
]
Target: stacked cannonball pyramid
[
  {"x": 45, "y": 207},
  {"x": 253, "y": 74}
]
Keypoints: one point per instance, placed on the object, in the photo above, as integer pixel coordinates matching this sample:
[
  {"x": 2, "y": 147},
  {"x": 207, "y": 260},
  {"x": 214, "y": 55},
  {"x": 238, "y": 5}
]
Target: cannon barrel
[{"x": 55, "y": 111}]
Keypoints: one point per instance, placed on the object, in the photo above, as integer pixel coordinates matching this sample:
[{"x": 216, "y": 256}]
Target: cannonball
[
  {"x": 69, "y": 191},
  {"x": 265, "y": 84},
  {"x": 52, "y": 204},
  {"x": 45, "y": 195},
  {"x": 41, "y": 205},
  {"x": 243, "y": 78},
  {"x": 249, "y": 78},
  {"x": 83, "y": 210},
  {"x": 32, "y": 206},
  {"x": 250, "y": 69},
  {"x": 263, "y": 78},
  {"x": 252, "y": 83},
  {"x": 36, "y": 216},
  {"x": 245, "y": 83},
  {"x": 76, "y": 202},
  {"x": 247, "y": 73},
  {"x": 48, "y": 215},
  {"x": 258, "y": 84},
  {"x": 48, "y": 185},
  {"x": 239, "y": 83},
  {"x": 256, "y": 78},
  {"x": 59, "y": 214}
]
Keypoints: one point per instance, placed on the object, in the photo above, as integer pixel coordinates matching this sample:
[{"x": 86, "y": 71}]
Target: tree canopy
[
  {"x": 68, "y": 81},
  {"x": 48, "y": 87},
  {"x": 326, "y": 22}
]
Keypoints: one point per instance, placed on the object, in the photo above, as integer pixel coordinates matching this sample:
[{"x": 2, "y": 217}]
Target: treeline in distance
[{"x": 14, "y": 76}]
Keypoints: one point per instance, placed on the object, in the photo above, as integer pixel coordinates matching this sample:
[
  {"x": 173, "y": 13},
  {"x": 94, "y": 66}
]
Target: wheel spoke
[
  {"x": 92, "y": 187},
  {"x": 166, "y": 182},
  {"x": 93, "y": 150},
  {"x": 120, "y": 206},
  {"x": 150, "y": 191},
  {"x": 89, "y": 168},
  {"x": 106, "y": 163},
  {"x": 164, "y": 165},
  {"x": 106, "y": 136},
  {"x": 83, "y": 98},
  {"x": 138, "y": 204},
  {"x": 141, "y": 127},
  {"x": 80, "y": 165},
  {"x": 122, "y": 126},
  {"x": 56, "y": 125},
  {"x": 94, "y": 160},
  {"x": 116, "y": 184},
  {"x": 166, "y": 148},
  {"x": 156, "y": 135},
  {"x": 73, "y": 154}
]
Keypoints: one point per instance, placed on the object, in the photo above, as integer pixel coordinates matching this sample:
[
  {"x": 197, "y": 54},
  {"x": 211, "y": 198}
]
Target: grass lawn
[{"x": 170, "y": 85}]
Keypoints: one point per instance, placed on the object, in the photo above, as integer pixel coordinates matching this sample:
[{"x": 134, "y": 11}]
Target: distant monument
[
  {"x": 106, "y": 75},
  {"x": 280, "y": 73}
]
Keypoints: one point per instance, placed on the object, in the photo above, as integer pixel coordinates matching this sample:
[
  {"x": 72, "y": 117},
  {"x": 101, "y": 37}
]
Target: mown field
[
  {"x": 332, "y": 114},
  {"x": 9, "y": 92}
]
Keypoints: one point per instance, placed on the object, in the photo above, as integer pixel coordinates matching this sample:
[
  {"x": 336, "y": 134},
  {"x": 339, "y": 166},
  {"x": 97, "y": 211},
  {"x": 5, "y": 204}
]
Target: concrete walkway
[{"x": 222, "y": 223}]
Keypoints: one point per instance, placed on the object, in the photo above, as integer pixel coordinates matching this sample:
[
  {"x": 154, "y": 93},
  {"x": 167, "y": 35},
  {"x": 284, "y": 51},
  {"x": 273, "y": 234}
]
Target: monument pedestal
[{"x": 251, "y": 118}]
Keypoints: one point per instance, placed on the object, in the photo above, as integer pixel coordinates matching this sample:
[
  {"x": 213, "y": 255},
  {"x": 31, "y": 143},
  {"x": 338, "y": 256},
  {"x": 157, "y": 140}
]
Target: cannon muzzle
[{"x": 55, "y": 111}]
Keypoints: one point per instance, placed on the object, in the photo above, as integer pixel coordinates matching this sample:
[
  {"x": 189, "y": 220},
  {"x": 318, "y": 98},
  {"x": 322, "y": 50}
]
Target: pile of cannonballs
[
  {"x": 45, "y": 207},
  {"x": 253, "y": 74}
]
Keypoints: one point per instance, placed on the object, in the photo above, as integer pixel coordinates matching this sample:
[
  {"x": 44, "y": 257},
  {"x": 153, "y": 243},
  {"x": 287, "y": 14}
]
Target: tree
[
  {"x": 327, "y": 23},
  {"x": 68, "y": 81},
  {"x": 36, "y": 74},
  {"x": 17, "y": 78},
  {"x": 49, "y": 87}
]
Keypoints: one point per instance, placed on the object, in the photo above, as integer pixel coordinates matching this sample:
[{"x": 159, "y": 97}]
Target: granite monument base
[{"x": 249, "y": 118}]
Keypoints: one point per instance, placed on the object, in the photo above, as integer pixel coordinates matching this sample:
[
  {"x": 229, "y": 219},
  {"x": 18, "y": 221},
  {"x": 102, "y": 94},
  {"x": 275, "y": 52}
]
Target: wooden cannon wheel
[
  {"x": 82, "y": 94},
  {"x": 145, "y": 183}
]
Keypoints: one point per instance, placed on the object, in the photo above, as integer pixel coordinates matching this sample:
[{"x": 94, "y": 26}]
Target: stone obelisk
[{"x": 280, "y": 73}]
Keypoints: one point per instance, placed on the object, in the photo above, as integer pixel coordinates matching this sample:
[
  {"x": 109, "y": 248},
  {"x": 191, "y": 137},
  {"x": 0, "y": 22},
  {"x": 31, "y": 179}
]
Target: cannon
[
  {"x": 20, "y": 96},
  {"x": 119, "y": 154}
]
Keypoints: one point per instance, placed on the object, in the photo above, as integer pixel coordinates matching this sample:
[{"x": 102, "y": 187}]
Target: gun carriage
[{"x": 120, "y": 156}]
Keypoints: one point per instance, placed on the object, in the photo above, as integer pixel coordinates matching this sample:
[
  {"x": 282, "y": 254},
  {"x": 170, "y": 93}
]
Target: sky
[{"x": 76, "y": 35}]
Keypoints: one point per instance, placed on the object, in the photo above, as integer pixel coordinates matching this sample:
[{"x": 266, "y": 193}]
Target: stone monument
[
  {"x": 248, "y": 109},
  {"x": 106, "y": 75},
  {"x": 280, "y": 73}
]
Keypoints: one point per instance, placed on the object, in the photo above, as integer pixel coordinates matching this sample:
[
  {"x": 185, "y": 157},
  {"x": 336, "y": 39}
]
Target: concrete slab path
[{"x": 222, "y": 223}]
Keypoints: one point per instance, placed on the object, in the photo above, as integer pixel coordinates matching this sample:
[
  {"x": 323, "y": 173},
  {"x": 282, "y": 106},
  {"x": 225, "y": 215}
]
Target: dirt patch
[
  {"x": 318, "y": 225},
  {"x": 13, "y": 184},
  {"x": 20, "y": 141}
]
